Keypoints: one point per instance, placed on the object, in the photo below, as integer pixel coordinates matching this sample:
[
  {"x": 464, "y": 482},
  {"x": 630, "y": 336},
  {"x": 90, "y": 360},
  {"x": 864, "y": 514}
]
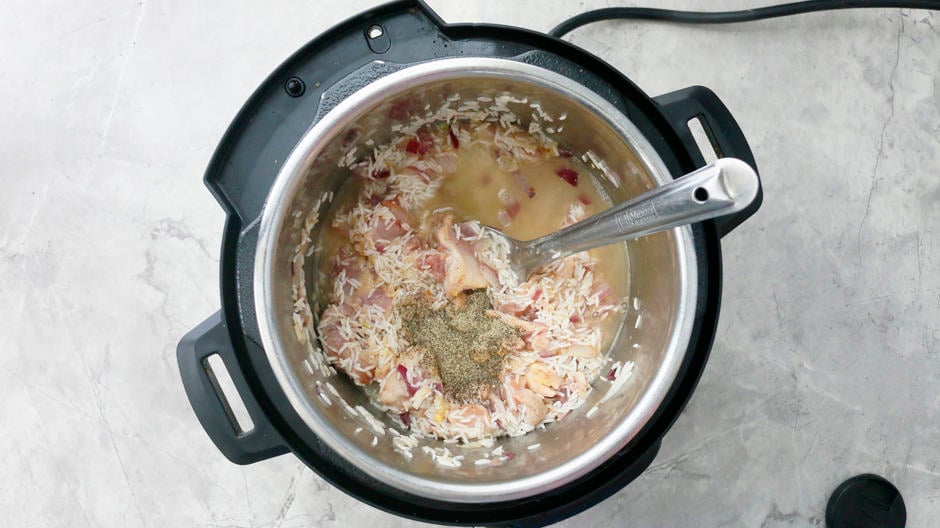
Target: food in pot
[{"x": 421, "y": 308}]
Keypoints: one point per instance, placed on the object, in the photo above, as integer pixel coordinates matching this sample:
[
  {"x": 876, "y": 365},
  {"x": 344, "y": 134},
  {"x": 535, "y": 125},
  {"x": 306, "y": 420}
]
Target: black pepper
[{"x": 462, "y": 343}]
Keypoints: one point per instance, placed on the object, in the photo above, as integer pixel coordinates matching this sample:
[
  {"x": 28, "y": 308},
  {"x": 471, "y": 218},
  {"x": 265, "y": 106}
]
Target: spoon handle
[{"x": 722, "y": 187}]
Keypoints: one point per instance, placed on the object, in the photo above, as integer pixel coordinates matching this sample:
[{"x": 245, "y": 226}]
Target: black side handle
[
  {"x": 723, "y": 132},
  {"x": 211, "y": 407}
]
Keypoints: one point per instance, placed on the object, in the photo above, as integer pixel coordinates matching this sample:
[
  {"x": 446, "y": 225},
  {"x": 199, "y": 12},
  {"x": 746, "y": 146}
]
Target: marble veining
[{"x": 827, "y": 362}]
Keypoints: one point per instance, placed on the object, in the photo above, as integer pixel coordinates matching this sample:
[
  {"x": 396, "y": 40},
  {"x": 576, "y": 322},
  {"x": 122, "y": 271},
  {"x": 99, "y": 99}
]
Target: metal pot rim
[{"x": 276, "y": 211}]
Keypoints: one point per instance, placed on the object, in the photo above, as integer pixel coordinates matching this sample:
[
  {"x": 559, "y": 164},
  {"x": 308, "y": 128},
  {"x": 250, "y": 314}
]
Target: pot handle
[
  {"x": 723, "y": 132},
  {"x": 211, "y": 407}
]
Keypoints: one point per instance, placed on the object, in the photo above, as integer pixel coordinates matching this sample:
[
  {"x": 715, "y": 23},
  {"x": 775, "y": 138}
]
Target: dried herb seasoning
[{"x": 463, "y": 343}]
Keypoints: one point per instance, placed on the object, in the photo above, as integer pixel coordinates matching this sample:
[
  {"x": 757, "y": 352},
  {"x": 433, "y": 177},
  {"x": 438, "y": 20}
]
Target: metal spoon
[{"x": 722, "y": 187}]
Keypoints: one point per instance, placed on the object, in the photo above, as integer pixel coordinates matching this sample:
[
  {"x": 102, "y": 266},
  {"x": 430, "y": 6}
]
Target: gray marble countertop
[{"x": 827, "y": 360}]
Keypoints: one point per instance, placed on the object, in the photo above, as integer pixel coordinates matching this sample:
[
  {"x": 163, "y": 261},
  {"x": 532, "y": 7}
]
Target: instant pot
[{"x": 279, "y": 160}]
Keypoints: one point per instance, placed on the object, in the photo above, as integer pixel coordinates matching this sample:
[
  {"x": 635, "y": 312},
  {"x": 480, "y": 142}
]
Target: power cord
[{"x": 729, "y": 17}]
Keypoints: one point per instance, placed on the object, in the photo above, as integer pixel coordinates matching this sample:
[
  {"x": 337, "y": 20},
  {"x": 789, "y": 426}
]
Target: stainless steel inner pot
[{"x": 662, "y": 278}]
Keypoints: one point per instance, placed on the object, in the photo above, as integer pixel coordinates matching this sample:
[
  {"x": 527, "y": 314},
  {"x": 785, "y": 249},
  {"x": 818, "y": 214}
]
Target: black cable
[{"x": 729, "y": 17}]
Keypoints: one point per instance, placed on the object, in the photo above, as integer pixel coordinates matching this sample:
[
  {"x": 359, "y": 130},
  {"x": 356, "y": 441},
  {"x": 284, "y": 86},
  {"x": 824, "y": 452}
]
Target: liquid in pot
[{"x": 409, "y": 217}]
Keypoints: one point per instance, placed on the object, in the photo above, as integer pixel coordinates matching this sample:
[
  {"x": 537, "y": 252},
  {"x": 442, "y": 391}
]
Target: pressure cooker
[{"x": 280, "y": 155}]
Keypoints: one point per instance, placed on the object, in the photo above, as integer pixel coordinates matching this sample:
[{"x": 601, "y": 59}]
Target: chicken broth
[{"x": 404, "y": 241}]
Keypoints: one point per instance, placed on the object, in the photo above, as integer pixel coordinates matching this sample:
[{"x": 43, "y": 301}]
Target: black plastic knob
[
  {"x": 295, "y": 87},
  {"x": 866, "y": 501}
]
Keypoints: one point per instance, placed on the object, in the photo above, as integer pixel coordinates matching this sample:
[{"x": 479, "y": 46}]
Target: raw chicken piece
[
  {"x": 541, "y": 379},
  {"x": 357, "y": 277},
  {"x": 386, "y": 229},
  {"x": 347, "y": 352},
  {"x": 434, "y": 262},
  {"x": 379, "y": 298},
  {"x": 394, "y": 391},
  {"x": 540, "y": 343},
  {"x": 578, "y": 383},
  {"x": 473, "y": 418},
  {"x": 402, "y": 382},
  {"x": 532, "y": 406},
  {"x": 519, "y": 324},
  {"x": 462, "y": 270},
  {"x": 583, "y": 351}
]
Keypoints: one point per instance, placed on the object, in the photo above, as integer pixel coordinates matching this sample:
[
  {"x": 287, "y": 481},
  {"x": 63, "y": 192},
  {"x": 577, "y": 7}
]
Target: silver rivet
[{"x": 375, "y": 31}]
